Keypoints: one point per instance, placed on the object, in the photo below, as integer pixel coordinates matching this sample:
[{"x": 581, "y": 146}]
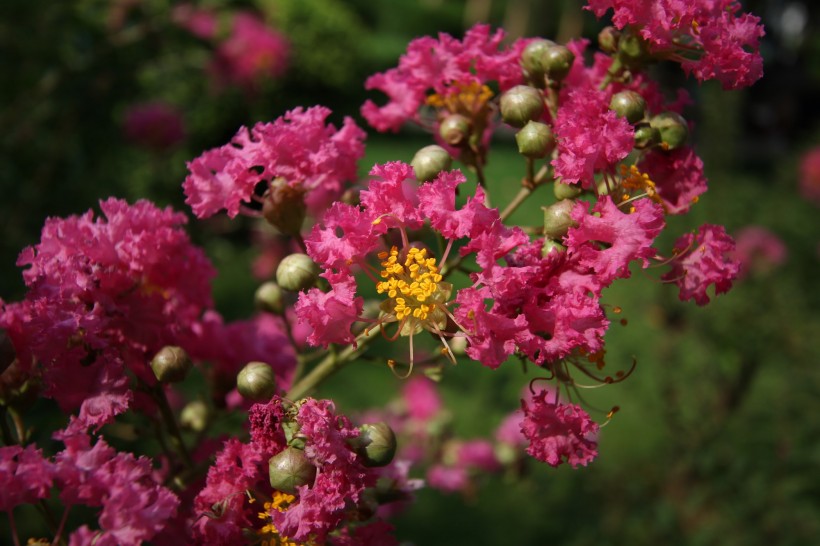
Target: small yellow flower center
[
  {"x": 268, "y": 534},
  {"x": 463, "y": 98},
  {"x": 633, "y": 180},
  {"x": 414, "y": 288}
]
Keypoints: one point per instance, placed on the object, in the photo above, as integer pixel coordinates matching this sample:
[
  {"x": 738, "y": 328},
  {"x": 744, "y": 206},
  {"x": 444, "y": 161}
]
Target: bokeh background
[{"x": 718, "y": 437}]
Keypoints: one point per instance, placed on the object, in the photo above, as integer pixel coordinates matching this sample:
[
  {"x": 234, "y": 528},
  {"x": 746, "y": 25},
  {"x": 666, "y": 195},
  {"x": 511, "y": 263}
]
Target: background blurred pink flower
[
  {"x": 155, "y": 126},
  {"x": 810, "y": 175},
  {"x": 758, "y": 250}
]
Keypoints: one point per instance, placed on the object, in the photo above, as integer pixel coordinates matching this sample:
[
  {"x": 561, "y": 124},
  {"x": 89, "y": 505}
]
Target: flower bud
[
  {"x": 284, "y": 207},
  {"x": 535, "y": 140},
  {"x": 171, "y": 364},
  {"x": 289, "y": 469},
  {"x": 551, "y": 246},
  {"x": 429, "y": 161},
  {"x": 673, "y": 129},
  {"x": 633, "y": 50},
  {"x": 557, "y": 219},
  {"x": 455, "y": 130},
  {"x": 195, "y": 416},
  {"x": 566, "y": 191},
  {"x": 646, "y": 136},
  {"x": 377, "y": 444},
  {"x": 559, "y": 61},
  {"x": 521, "y": 104},
  {"x": 628, "y": 104},
  {"x": 608, "y": 39},
  {"x": 269, "y": 297},
  {"x": 297, "y": 272},
  {"x": 534, "y": 60},
  {"x": 256, "y": 381}
]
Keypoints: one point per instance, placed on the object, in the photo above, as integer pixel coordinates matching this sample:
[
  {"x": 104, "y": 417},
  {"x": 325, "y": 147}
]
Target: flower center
[
  {"x": 414, "y": 288},
  {"x": 463, "y": 98}
]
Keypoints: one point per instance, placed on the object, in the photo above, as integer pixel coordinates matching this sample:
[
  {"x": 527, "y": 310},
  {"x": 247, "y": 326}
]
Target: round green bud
[
  {"x": 535, "y": 140},
  {"x": 171, "y": 364},
  {"x": 633, "y": 50},
  {"x": 270, "y": 297},
  {"x": 430, "y": 161},
  {"x": 534, "y": 59},
  {"x": 608, "y": 39},
  {"x": 378, "y": 444},
  {"x": 552, "y": 246},
  {"x": 566, "y": 191},
  {"x": 628, "y": 104},
  {"x": 256, "y": 381},
  {"x": 646, "y": 136},
  {"x": 559, "y": 62},
  {"x": 455, "y": 129},
  {"x": 297, "y": 272},
  {"x": 195, "y": 416},
  {"x": 673, "y": 129},
  {"x": 284, "y": 207},
  {"x": 521, "y": 104},
  {"x": 557, "y": 219},
  {"x": 289, "y": 469}
]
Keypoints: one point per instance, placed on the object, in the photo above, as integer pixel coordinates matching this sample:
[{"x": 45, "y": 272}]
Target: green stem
[
  {"x": 19, "y": 426},
  {"x": 520, "y": 197},
  {"x": 171, "y": 424},
  {"x": 331, "y": 364},
  {"x": 13, "y": 528},
  {"x": 614, "y": 69}
]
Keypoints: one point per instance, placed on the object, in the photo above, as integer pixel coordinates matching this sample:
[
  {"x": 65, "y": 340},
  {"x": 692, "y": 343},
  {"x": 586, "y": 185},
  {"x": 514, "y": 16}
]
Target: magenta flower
[
  {"x": 202, "y": 23},
  {"x": 558, "y": 432},
  {"x": 156, "y": 126},
  {"x": 703, "y": 259},
  {"x": 758, "y": 250},
  {"x": 26, "y": 476},
  {"x": 710, "y": 38},
  {"x": 310, "y": 155},
  {"x": 677, "y": 176},
  {"x": 104, "y": 295},
  {"x": 810, "y": 175},
  {"x": 421, "y": 398}
]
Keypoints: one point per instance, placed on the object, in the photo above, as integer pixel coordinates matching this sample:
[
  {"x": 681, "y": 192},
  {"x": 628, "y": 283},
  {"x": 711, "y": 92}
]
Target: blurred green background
[{"x": 718, "y": 437}]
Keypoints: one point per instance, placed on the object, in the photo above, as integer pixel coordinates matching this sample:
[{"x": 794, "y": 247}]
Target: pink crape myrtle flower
[
  {"x": 678, "y": 177},
  {"x": 104, "y": 295},
  {"x": 558, "y": 432},
  {"x": 156, "y": 126},
  {"x": 711, "y": 39},
  {"x": 252, "y": 51},
  {"x": 758, "y": 250},
  {"x": 26, "y": 476},
  {"x": 202, "y": 23},
  {"x": 312, "y": 156},
  {"x": 703, "y": 259},
  {"x": 810, "y": 175},
  {"x": 445, "y": 66},
  {"x": 421, "y": 397}
]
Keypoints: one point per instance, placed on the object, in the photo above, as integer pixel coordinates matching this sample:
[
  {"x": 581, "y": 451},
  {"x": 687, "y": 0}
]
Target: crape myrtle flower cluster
[{"x": 118, "y": 308}]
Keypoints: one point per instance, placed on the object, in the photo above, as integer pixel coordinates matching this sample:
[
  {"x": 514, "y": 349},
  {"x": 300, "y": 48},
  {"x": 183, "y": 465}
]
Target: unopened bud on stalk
[
  {"x": 628, "y": 104},
  {"x": 557, "y": 219},
  {"x": 377, "y": 444},
  {"x": 284, "y": 207},
  {"x": 551, "y": 246},
  {"x": 521, "y": 104},
  {"x": 455, "y": 130},
  {"x": 269, "y": 297},
  {"x": 535, "y": 140},
  {"x": 633, "y": 50},
  {"x": 646, "y": 136},
  {"x": 566, "y": 191},
  {"x": 608, "y": 39},
  {"x": 297, "y": 272},
  {"x": 256, "y": 381},
  {"x": 673, "y": 129},
  {"x": 534, "y": 60},
  {"x": 429, "y": 161},
  {"x": 171, "y": 364},
  {"x": 559, "y": 62},
  {"x": 195, "y": 416},
  {"x": 289, "y": 469}
]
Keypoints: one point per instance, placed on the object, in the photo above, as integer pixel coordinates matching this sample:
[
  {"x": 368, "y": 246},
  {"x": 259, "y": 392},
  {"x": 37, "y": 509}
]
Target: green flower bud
[
  {"x": 559, "y": 62},
  {"x": 633, "y": 50},
  {"x": 256, "y": 381},
  {"x": 270, "y": 297},
  {"x": 289, "y": 469},
  {"x": 628, "y": 104},
  {"x": 646, "y": 136},
  {"x": 608, "y": 39},
  {"x": 552, "y": 246},
  {"x": 195, "y": 416},
  {"x": 284, "y": 207},
  {"x": 557, "y": 220},
  {"x": 171, "y": 364},
  {"x": 297, "y": 272},
  {"x": 535, "y": 140},
  {"x": 455, "y": 129},
  {"x": 566, "y": 191},
  {"x": 673, "y": 128},
  {"x": 377, "y": 444},
  {"x": 521, "y": 104},
  {"x": 429, "y": 161},
  {"x": 534, "y": 60}
]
